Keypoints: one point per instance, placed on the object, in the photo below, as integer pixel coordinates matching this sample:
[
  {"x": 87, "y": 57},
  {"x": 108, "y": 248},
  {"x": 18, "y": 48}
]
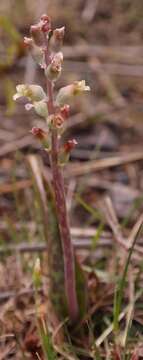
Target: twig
[
  {"x": 10, "y": 294},
  {"x": 37, "y": 177},
  {"x": 35, "y": 247},
  {"x": 76, "y": 232},
  {"x": 77, "y": 169},
  {"x": 16, "y": 186},
  {"x": 110, "y": 215}
]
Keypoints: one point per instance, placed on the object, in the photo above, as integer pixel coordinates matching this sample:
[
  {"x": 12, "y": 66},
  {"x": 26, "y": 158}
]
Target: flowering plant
[{"x": 45, "y": 46}]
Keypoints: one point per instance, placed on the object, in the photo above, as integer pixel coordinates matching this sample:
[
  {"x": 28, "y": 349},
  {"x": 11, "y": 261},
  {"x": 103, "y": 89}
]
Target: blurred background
[{"x": 103, "y": 45}]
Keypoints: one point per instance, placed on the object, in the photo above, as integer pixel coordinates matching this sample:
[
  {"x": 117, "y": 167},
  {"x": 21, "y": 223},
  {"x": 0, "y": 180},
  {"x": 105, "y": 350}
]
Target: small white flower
[
  {"x": 40, "y": 108},
  {"x": 29, "y": 106},
  {"x": 80, "y": 86},
  {"x": 32, "y": 92},
  {"x": 67, "y": 92}
]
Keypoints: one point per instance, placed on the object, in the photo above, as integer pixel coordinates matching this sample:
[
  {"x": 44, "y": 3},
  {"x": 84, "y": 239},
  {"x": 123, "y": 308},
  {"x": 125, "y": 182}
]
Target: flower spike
[{"x": 45, "y": 45}]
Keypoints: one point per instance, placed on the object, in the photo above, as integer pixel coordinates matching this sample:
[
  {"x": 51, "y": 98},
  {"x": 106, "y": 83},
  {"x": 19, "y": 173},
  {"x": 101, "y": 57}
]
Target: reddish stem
[{"x": 58, "y": 184}]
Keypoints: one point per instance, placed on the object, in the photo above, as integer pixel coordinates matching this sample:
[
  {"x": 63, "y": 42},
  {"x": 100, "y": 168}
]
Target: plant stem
[{"x": 58, "y": 184}]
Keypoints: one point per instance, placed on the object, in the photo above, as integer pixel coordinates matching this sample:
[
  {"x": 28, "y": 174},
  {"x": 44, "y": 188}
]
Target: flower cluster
[
  {"x": 41, "y": 36},
  {"x": 53, "y": 71}
]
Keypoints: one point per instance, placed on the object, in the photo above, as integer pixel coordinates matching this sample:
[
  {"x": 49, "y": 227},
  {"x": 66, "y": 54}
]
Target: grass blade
[{"x": 121, "y": 284}]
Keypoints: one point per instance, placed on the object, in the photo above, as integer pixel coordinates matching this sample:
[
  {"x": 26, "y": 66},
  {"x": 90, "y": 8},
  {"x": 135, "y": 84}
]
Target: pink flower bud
[
  {"x": 57, "y": 120},
  {"x": 45, "y": 27},
  {"x": 69, "y": 145},
  {"x": 38, "y": 133},
  {"x": 65, "y": 152},
  {"x": 46, "y": 18},
  {"x": 45, "y": 23}
]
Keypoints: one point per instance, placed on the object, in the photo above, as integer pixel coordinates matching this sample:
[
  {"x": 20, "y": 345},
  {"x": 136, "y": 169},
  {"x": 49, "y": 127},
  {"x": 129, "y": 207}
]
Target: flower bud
[
  {"x": 80, "y": 87},
  {"x": 38, "y": 133},
  {"x": 32, "y": 92},
  {"x": 53, "y": 71},
  {"x": 35, "y": 28},
  {"x": 66, "y": 93},
  {"x": 45, "y": 23},
  {"x": 45, "y": 28},
  {"x": 59, "y": 33},
  {"x": 45, "y": 17},
  {"x": 37, "y": 36},
  {"x": 57, "y": 120},
  {"x": 65, "y": 152},
  {"x": 36, "y": 51},
  {"x": 41, "y": 135},
  {"x": 69, "y": 145},
  {"x": 56, "y": 40}
]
